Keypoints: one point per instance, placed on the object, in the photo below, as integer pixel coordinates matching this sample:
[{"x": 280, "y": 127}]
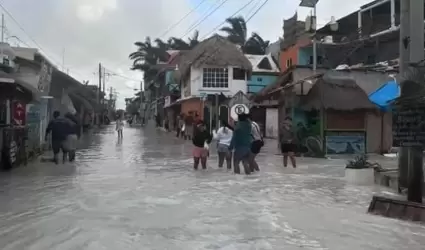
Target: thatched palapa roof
[
  {"x": 215, "y": 51},
  {"x": 337, "y": 93}
]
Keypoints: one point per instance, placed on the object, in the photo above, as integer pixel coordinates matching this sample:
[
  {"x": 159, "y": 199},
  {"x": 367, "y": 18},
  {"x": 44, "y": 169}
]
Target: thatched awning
[
  {"x": 338, "y": 93},
  {"x": 215, "y": 51}
]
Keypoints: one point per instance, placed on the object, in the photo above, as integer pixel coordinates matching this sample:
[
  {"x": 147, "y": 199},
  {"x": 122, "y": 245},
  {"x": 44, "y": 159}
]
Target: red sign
[{"x": 19, "y": 113}]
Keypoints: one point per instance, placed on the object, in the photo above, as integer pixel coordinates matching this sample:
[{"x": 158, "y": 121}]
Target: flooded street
[{"x": 142, "y": 193}]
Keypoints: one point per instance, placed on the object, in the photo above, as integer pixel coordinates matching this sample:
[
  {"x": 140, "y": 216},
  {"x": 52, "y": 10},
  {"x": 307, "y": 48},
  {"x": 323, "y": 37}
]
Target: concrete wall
[{"x": 259, "y": 81}]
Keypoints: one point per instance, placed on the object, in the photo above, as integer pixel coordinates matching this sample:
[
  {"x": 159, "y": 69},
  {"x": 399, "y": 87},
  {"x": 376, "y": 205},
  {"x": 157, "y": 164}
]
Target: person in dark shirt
[
  {"x": 200, "y": 139},
  {"x": 60, "y": 128}
]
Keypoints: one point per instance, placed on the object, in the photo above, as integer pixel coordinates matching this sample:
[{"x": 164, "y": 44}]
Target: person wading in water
[
  {"x": 71, "y": 141},
  {"x": 257, "y": 144},
  {"x": 241, "y": 143},
  {"x": 60, "y": 129},
  {"x": 224, "y": 137},
  {"x": 287, "y": 143},
  {"x": 200, "y": 141}
]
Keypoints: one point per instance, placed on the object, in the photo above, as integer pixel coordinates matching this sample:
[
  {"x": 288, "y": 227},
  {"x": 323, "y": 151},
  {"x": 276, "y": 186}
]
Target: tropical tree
[
  {"x": 256, "y": 45},
  {"x": 148, "y": 54},
  {"x": 237, "y": 33},
  {"x": 180, "y": 44}
]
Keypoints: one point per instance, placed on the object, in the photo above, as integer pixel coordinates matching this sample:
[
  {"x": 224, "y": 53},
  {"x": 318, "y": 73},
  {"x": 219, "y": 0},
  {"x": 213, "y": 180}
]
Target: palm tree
[
  {"x": 237, "y": 33},
  {"x": 180, "y": 44},
  {"x": 256, "y": 45}
]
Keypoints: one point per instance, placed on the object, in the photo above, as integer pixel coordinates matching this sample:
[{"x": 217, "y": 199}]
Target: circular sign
[{"x": 238, "y": 109}]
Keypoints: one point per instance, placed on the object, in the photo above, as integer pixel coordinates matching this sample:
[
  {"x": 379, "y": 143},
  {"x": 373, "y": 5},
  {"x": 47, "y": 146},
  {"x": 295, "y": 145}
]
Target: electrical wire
[
  {"x": 205, "y": 18},
  {"x": 113, "y": 73},
  {"x": 182, "y": 19},
  {"x": 26, "y": 33},
  {"x": 249, "y": 13},
  {"x": 234, "y": 14},
  {"x": 256, "y": 12},
  {"x": 33, "y": 40}
]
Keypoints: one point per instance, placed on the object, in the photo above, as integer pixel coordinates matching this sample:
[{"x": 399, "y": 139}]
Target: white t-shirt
[
  {"x": 222, "y": 137},
  {"x": 255, "y": 131}
]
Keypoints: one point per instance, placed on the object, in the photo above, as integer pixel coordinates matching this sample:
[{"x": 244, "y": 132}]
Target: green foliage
[{"x": 360, "y": 162}]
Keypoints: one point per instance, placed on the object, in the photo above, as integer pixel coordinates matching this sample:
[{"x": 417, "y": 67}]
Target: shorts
[
  {"x": 223, "y": 148},
  {"x": 199, "y": 152},
  {"x": 287, "y": 148},
  {"x": 241, "y": 154}
]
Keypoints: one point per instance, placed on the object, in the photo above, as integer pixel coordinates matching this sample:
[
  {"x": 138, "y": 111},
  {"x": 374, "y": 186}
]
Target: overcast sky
[{"x": 86, "y": 32}]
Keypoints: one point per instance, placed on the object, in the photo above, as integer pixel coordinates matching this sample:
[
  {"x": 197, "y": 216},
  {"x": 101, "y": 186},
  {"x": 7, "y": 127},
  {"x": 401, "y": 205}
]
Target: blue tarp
[{"x": 383, "y": 96}]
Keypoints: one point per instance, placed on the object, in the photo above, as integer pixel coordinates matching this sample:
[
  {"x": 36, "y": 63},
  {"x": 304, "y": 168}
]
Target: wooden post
[
  {"x": 417, "y": 54},
  {"x": 404, "y": 50}
]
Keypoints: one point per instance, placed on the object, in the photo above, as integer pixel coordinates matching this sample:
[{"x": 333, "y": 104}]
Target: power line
[
  {"x": 112, "y": 73},
  {"x": 253, "y": 8},
  {"x": 26, "y": 33},
  {"x": 32, "y": 39},
  {"x": 208, "y": 15},
  {"x": 234, "y": 14},
  {"x": 183, "y": 18},
  {"x": 255, "y": 13}
]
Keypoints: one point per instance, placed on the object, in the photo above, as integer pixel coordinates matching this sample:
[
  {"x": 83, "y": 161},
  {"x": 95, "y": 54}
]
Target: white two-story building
[{"x": 211, "y": 73}]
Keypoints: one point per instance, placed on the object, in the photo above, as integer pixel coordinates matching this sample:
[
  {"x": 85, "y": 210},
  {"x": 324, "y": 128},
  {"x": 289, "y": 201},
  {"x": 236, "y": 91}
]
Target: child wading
[
  {"x": 224, "y": 137},
  {"x": 200, "y": 140},
  {"x": 119, "y": 127}
]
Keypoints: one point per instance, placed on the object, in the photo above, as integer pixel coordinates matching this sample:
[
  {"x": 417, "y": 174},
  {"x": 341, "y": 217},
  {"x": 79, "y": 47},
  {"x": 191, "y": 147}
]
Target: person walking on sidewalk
[
  {"x": 287, "y": 143},
  {"x": 119, "y": 127},
  {"x": 257, "y": 144},
  {"x": 201, "y": 139},
  {"x": 224, "y": 137},
  {"x": 241, "y": 143},
  {"x": 59, "y": 127}
]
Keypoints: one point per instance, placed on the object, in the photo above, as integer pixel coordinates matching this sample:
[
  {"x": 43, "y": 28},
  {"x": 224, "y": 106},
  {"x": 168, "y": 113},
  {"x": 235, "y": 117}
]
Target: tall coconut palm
[
  {"x": 236, "y": 31},
  {"x": 256, "y": 45},
  {"x": 180, "y": 44}
]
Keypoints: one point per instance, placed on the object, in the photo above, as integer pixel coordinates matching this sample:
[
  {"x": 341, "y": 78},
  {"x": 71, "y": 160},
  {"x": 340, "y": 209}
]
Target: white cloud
[{"x": 93, "y": 10}]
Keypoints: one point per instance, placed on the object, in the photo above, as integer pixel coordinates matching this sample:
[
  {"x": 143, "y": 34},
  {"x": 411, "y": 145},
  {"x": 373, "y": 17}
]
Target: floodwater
[{"x": 142, "y": 193}]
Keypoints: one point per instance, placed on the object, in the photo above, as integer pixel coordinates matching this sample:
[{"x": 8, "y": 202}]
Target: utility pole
[
  {"x": 98, "y": 93},
  {"x": 3, "y": 28},
  {"x": 404, "y": 61},
  {"x": 417, "y": 54}
]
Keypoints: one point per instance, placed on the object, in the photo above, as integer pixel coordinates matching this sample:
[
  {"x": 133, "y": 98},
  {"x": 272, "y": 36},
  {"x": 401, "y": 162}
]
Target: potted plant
[{"x": 360, "y": 171}]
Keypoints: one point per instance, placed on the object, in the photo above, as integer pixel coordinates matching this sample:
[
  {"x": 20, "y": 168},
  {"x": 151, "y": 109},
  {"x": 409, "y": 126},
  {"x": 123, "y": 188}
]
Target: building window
[
  {"x": 259, "y": 79},
  {"x": 239, "y": 74},
  {"x": 215, "y": 78},
  {"x": 289, "y": 62}
]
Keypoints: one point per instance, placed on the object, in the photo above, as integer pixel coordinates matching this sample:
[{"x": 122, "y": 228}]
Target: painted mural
[
  {"x": 307, "y": 130},
  {"x": 345, "y": 142}
]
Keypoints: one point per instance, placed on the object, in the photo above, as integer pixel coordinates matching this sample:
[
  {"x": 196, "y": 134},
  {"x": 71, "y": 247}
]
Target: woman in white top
[
  {"x": 119, "y": 127},
  {"x": 223, "y": 137}
]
